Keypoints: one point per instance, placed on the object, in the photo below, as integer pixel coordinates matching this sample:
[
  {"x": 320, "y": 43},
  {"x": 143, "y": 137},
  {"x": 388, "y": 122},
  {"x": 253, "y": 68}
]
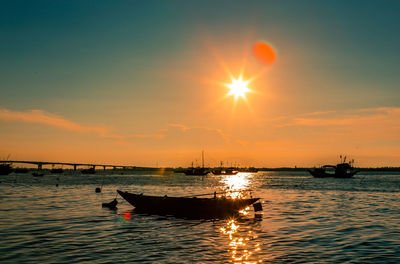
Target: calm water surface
[{"x": 305, "y": 220}]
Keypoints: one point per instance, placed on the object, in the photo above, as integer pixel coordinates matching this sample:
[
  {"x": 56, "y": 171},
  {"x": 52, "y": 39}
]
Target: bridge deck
[{"x": 75, "y": 165}]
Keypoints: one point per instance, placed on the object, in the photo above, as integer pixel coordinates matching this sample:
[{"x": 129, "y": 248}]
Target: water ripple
[{"x": 305, "y": 220}]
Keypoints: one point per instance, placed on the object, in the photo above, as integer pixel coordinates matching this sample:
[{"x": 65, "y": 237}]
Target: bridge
[{"x": 40, "y": 164}]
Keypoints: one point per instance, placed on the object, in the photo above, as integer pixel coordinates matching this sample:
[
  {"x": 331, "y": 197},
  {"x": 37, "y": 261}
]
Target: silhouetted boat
[
  {"x": 21, "y": 170},
  {"x": 196, "y": 171},
  {"x": 192, "y": 171},
  {"x": 223, "y": 171},
  {"x": 341, "y": 170},
  {"x": 37, "y": 174},
  {"x": 250, "y": 169},
  {"x": 111, "y": 205},
  {"x": 5, "y": 168},
  {"x": 57, "y": 170},
  {"x": 88, "y": 171},
  {"x": 193, "y": 207}
]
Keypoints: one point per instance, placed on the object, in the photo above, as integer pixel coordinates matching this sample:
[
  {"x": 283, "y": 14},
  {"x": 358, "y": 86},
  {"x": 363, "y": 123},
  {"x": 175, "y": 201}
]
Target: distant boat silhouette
[
  {"x": 341, "y": 170},
  {"x": 197, "y": 171},
  {"x": 37, "y": 174},
  {"x": 88, "y": 171},
  {"x": 57, "y": 170},
  {"x": 250, "y": 169},
  {"x": 224, "y": 171},
  {"x": 21, "y": 170},
  {"x": 5, "y": 168}
]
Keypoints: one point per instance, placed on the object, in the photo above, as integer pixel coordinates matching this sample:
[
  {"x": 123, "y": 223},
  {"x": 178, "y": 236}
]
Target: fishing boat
[
  {"x": 224, "y": 171},
  {"x": 196, "y": 171},
  {"x": 192, "y": 171},
  {"x": 5, "y": 168},
  {"x": 37, "y": 174},
  {"x": 189, "y": 207},
  {"x": 88, "y": 171},
  {"x": 57, "y": 170},
  {"x": 249, "y": 169},
  {"x": 342, "y": 170},
  {"x": 21, "y": 170}
]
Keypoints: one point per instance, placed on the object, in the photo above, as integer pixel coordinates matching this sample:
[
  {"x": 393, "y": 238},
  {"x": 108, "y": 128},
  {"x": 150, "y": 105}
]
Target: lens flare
[{"x": 264, "y": 53}]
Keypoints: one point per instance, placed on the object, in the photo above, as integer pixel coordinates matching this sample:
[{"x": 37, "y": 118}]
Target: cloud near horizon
[
  {"x": 182, "y": 136},
  {"x": 175, "y": 132},
  {"x": 41, "y": 117},
  {"x": 366, "y": 134},
  {"x": 389, "y": 116}
]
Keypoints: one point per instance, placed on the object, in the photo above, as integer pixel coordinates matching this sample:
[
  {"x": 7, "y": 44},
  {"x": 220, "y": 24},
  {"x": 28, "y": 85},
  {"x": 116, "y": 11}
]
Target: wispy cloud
[
  {"x": 173, "y": 131},
  {"x": 388, "y": 116},
  {"x": 181, "y": 134},
  {"x": 44, "y": 118}
]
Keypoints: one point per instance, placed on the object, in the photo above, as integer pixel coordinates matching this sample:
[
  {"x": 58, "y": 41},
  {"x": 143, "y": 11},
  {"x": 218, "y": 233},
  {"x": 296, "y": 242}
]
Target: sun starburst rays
[{"x": 238, "y": 88}]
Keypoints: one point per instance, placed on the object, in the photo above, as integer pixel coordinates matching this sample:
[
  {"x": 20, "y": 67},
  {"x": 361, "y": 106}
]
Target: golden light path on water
[
  {"x": 241, "y": 247},
  {"x": 236, "y": 185},
  {"x": 241, "y": 242}
]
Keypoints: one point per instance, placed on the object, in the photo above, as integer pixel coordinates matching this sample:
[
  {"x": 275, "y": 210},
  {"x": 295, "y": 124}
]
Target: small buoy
[
  {"x": 111, "y": 205},
  {"x": 98, "y": 190}
]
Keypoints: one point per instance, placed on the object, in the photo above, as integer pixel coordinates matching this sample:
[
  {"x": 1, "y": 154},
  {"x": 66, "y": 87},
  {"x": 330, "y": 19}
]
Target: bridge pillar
[
  {"x": 74, "y": 167},
  {"x": 104, "y": 167},
  {"x": 114, "y": 167},
  {"x": 39, "y": 166}
]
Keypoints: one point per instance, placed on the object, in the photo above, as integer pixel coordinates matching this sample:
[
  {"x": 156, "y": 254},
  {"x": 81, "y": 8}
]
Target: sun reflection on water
[
  {"x": 234, "y": 184},
  {"x": 241, "y": 244}
]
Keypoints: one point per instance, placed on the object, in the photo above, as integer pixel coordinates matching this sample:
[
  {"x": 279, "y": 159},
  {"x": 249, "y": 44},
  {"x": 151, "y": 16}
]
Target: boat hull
[
  {"x": 5, "y": 169},
  {"x": 322, "y": 174},
  {"x": 225, "y": 173},
  {"x": 199, "y": 208},
  {"x": 196, "y": 172}
]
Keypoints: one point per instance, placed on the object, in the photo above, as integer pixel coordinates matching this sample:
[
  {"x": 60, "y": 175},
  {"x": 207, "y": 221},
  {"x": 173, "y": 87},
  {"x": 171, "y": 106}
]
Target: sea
[{"x": 58, "y": 218}]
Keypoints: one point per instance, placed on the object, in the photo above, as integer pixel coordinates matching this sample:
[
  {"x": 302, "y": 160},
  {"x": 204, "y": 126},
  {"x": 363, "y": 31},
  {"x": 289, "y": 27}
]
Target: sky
[{"x": 145, "y": 82}]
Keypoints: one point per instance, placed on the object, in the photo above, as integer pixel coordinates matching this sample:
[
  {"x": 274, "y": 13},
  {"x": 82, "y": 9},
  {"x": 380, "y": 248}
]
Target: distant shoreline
[{"x": 180, "y": 169}]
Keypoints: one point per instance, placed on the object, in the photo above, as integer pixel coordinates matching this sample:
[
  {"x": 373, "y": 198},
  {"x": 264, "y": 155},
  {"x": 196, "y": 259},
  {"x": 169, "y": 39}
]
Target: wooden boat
[
  {"x": 5, "y": 168},
  {"x": 88, "y": 171},
  {"x": 341, "y": 170},
  {"x": 57, "y": 170},
  {"x": 21, "y": 170},
  {"x": 223, "y": 171},
  {"x": 249, "y": 169},
  {"x": 37, "y": 174},
  {"x": 187, "y": 207},
  {"x": 111, "y": 205},
  {"x": 196, "y": 171},
  {"x": 192, "y": 171}
]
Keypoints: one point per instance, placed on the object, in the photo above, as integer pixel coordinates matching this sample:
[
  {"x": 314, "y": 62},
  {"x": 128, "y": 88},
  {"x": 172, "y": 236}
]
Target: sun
[{"x": 238, "y": 88}]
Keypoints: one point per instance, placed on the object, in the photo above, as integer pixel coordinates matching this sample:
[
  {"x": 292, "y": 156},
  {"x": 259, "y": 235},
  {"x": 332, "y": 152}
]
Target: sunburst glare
[{"x": 238, "y": 87}]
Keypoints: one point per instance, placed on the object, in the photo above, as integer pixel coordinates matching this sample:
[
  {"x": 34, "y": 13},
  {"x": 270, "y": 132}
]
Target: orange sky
[{"x": 153, "y": 91}]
